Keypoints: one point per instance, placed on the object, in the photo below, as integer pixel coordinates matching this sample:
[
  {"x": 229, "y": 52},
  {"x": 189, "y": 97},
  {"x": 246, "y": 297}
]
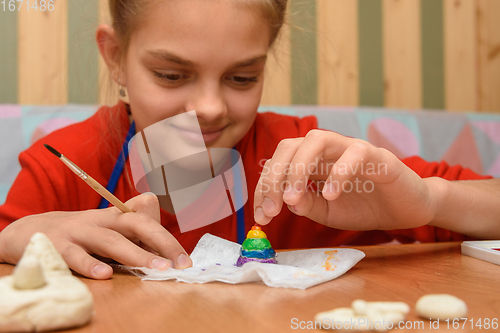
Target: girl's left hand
[{"x": 362, "y": 187}]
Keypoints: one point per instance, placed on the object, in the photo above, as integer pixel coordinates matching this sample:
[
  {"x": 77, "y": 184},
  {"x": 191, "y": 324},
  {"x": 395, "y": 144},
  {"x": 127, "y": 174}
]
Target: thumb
[{"x": 146, "y": 203}]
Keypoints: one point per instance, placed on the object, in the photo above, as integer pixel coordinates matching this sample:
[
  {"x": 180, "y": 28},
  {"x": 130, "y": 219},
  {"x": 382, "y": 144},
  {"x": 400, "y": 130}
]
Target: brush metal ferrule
[{"x": 79, "y": 172}]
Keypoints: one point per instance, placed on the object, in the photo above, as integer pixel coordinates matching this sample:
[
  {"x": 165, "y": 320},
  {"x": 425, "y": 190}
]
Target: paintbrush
[{"x": 91, "y": 181}]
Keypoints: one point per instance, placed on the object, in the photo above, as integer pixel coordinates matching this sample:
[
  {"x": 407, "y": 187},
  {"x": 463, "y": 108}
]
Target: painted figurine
[{"x": 256, "y": 247}]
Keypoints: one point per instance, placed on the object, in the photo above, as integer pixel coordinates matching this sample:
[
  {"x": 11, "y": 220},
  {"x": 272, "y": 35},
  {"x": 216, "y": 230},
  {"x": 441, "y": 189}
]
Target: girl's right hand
[{"x": 133, "y": 239}]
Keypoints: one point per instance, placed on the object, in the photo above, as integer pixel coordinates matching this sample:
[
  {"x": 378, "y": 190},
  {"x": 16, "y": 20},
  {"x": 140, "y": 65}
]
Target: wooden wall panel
[
  {"x": 82, "y": 52},
  {"x": 489, "y": 55},
  {"x": 402, "y": 54},
  {"x": 431, "y": 18},
  {"x": 277, "y": 82},
  {"x": 460, "y": 50},
  {"x": 371, "y": 73},
  {"x": 42, "y": 52},
  {"x": 8, "y": 56},
  {"x": 303, "y": 38},
  {"x": 338, "y": 79},
  {"x": 108, "y": 89},
  {"x": 441, "y": 54}
]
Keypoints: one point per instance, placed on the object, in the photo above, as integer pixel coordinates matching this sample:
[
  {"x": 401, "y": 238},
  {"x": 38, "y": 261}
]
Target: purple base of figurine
[{"x": 243, "y": 260}]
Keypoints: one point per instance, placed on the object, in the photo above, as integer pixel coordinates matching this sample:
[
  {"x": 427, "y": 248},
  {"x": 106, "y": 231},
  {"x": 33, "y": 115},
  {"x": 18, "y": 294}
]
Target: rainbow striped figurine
[{"x": 256, "y": 247}]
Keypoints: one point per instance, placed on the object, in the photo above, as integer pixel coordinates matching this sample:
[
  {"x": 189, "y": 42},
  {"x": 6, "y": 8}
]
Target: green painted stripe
[
  {"x": 83, "y": 77},
  {"x": 432, "y": 54},
  {"x": 371, "y": 71},
  {"x": 8, "y": 55},
  {"x": 303, "y": 52}
]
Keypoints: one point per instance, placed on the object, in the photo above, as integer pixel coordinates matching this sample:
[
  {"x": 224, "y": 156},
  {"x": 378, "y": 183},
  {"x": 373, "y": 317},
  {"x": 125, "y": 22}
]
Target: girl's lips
[
  {"x": 208, "y": 136},
  {"x": 211, "y": 136}
]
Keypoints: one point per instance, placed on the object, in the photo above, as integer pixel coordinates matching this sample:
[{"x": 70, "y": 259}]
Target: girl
[{"x": 173, "y": 56}]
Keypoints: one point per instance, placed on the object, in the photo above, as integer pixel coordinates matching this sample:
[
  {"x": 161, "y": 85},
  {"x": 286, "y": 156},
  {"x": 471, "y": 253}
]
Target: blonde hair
[{"x": 126, "y": 15}]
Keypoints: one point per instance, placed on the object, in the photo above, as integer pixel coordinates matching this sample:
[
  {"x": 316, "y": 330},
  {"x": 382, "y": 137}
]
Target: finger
[
  {"x": 313, "y": 206},
  {"x": 146, "y": 203},
  {"x": 155, "y": 237},
  {"x": 111, "y": 244},
  {"x": 346, "y": 175},
  {"x": 259, "y": 215},
  {"x": 139, "y": 226},
  {"x": 317, "y": 145},
  {"x": 269, "y": 194},
  {"x": 83, "y": 263},
  {"x": 258, "y": 194}
]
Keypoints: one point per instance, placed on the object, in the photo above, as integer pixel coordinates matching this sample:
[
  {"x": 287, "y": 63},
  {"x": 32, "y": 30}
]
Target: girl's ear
[{"x": 109, "y": 48}]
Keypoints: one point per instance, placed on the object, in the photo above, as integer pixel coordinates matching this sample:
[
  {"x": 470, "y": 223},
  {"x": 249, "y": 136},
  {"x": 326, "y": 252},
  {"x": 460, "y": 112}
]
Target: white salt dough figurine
[
  {"x": 441, "y": 306},
  {"x": 365, "y": 316},
  {"x": 42, "y": 294}
]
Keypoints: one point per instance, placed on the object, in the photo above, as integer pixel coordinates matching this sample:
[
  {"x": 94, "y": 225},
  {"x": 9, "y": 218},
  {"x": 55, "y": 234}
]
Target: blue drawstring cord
[
  {"x": 240, "y": 214},
  {"x": 119, "y": 165}
]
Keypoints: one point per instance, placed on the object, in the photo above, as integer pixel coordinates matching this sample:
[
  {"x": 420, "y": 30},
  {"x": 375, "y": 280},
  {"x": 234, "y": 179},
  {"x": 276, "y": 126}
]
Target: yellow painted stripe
[
  {"x": 460, "y": 55},
  {"x": 338, "y": 59},
  {"x": 402, "y": 53},
  {"x": 489, "y": 55},
  {"x": 42, "y": 51},
  {"x": 277, "y": 81}
]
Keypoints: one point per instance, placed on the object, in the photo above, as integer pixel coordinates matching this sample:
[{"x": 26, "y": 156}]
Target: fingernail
[
  {"x": 289, "y": 192},
  {"x": 259, "y": 215},
  {"x": 268, "y": 205},
  {"x": 100, "y": 269},
  {"x": 161, "y": 263},
  {"x": 183, "y": 261},
  {"x": 329, "y": 189}
]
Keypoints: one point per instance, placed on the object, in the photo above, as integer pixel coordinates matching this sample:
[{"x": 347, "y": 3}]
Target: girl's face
[{"x": 202, "y": 55}]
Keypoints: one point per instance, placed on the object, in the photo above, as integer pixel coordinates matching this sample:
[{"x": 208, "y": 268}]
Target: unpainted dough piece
[
  {"x": 441, "y": 306},
  {"x": 365, "y": 316},
  {"x": 42, "y": 294}
]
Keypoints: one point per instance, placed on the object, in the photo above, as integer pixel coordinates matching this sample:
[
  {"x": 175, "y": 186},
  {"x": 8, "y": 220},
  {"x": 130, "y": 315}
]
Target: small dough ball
[
  {"x": 360, "y": 307},
  {"x": 28, "y": 274},
  {"x": 441, "y": 306}
]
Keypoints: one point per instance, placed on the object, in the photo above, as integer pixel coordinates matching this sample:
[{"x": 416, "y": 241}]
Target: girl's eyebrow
[
  {"x": 251, "y": 61},
  {"x": 168, "y": 56}
]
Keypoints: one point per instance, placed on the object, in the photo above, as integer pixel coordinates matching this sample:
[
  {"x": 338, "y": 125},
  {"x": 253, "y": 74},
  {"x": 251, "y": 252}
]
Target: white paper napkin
[{"x": 214, "y": 259}]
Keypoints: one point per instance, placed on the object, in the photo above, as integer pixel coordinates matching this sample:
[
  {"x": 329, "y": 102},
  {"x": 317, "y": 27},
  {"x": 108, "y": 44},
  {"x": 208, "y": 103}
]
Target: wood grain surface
[
  {"x": 338, "y": 63},
  {"x": 438, "y": 54},
  {"x": 460, "y": 54},
  {"x": 489, "y": 55},
  {"x": 402, "y": 54},
  {"x": 277, "y": 83},
  {"x": 42, "y": 55},
  {"x": 387, "y": 273}
]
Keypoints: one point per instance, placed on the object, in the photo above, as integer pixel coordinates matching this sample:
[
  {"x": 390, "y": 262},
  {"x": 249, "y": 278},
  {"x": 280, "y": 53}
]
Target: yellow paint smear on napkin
[{"x": 329, "y": 266}]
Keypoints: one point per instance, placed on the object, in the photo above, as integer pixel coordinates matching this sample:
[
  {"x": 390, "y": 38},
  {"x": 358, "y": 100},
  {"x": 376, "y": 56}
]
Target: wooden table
[{"x": 387, "y": 273}]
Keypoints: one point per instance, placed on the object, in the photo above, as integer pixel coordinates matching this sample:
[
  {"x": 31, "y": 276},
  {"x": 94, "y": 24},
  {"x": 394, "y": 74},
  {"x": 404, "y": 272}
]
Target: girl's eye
[
  {"x": 242, "y": 80},
  {"x": 170, "y": 77}
]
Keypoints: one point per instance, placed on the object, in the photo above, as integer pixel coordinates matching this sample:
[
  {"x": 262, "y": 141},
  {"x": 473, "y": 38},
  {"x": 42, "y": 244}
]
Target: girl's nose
[{"x": 210, "y": 104}]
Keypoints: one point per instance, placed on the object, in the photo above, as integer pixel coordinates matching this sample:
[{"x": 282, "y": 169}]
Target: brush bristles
[{"x": 53, "y": 151}]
